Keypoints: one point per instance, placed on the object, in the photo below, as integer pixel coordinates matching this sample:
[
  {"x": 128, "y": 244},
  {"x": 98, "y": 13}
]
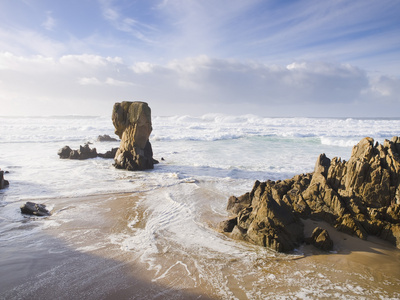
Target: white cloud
[
  {"x": 50, "y": 22},
  {"x": 193, "y": 85},
  {"x": 108, "y": 81},
  {"x": 118, "y": 83},
  {"x": 387, "y": 87},
  {"x": 34, "y": 63},
  {"x": 89, "y": 59},
  {"x": 28, "y": 42},
  {"x": 129, "y": 25},
  {"x": 142, "y": 67},
  {"x": 110, "y": 13},
  {"x": 89, "y": 81}
]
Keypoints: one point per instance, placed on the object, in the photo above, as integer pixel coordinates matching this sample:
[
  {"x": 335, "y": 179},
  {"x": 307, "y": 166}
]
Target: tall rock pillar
[{"x": 132, "y": 122}]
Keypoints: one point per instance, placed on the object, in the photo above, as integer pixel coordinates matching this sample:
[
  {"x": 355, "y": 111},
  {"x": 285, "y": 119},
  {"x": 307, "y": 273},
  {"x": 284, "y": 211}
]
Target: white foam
[
  {"x": 214, "y": 145},
  {"x": 213, "y": 127},
  {"x": 340, "y": 142},
  {"x": 163, "y": 275}
]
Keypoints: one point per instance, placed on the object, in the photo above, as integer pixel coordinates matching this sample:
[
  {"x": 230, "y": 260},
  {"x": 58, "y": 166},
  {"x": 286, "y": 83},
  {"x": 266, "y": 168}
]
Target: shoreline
[
  {"x": 84, "y": 257},
  {"x": 64, "y": 260}
]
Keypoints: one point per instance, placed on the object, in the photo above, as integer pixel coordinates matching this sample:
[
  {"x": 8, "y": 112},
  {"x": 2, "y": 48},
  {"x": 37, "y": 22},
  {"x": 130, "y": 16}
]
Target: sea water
[
  {"x": 203, "y": 160},
  {"x": 215, "y": 146}
]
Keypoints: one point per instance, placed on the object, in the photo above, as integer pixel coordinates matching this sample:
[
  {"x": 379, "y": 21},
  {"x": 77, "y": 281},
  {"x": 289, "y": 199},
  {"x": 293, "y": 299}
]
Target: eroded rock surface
[
  {"x": 320, "y": 239},
  {"x": 132, "y": 122},
  {"x": 109, "y": 154},
  {"x": 360, "y": 197},
  {"x": 35, "y": 209},
  {"x": 3, "y": 183},
  {"x": 84, "y": 152}
]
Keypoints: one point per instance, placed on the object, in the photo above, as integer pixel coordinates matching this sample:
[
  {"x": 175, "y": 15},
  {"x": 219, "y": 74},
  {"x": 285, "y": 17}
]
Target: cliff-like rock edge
[
  {"x": 132, "y": 122},
  {"x": 360, "y": 197}
]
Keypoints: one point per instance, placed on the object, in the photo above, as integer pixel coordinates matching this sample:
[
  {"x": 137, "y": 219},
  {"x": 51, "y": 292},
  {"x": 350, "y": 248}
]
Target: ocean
[{"x": 168, "y": 214}]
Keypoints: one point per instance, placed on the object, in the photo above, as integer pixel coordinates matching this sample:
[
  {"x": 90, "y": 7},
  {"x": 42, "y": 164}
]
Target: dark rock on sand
[
  {"x": 132, "y": 122},
  {"x": 228, "y": 225},
  {"x": 320, "y": 239},
  {"x": 84, "y": 152},
  {"x": 360, "y": 197},
  {"x": 3, "y": 183},
  {"x": 106, "y": 138},
  {"x": 30, "y": 208}
]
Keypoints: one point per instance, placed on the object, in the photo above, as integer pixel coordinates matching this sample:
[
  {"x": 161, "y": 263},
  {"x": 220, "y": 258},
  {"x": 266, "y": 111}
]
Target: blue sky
[{"x": 270, "y": 58}]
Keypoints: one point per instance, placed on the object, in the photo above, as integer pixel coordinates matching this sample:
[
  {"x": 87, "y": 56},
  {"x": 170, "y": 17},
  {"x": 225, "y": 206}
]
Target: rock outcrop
[
  {"x": 360, "y": 197},
  {"x": 132, "y": 122},
  {"x": 109, "y": 154},
  {"x": 84, "y": 152},
  {"x": 320, "y": 239},
  {"x": 3, "y": 183},
  {"x": 30, "y": 208}
]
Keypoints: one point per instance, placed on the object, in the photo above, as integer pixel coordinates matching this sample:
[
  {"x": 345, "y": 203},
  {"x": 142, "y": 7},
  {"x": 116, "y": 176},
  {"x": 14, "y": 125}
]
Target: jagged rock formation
[
  {"x": 3, "y": 183},
  {"x": 320, "y": 239},
  {"x": 359, "y": 197},
  {"x": 109, "y": 154},
  {"x": 84, "y": 152},
  {"x": 132, "y": 122}
]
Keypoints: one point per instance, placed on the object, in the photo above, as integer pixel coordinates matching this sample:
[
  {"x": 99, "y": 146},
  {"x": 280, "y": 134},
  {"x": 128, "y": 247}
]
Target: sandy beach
[
  {"x": 79, "y": 254},
  {"x": 178, "y": 144},
  {"x": 65, "y": 261}
]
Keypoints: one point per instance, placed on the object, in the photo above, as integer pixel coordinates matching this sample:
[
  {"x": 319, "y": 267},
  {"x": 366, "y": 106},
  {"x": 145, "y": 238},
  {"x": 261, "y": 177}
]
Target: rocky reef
[
  {"x": 360, "y": 197},
  {"x": 84, "y": 152},
  {"x": 132, "y": 122}
]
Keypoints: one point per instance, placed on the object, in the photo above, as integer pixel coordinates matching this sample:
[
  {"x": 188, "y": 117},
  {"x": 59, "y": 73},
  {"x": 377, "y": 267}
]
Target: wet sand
[
  {"x": 75, "y": 259},
  {"x": 77, "y": 254}
]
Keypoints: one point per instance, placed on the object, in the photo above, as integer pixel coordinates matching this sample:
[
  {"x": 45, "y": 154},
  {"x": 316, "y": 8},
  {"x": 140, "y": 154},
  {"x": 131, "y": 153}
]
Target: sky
[{"x": 270, "y": 58}]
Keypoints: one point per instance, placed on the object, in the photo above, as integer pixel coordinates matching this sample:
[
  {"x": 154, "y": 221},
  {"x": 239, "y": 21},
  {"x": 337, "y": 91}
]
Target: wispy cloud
[
  {"x": 27, "y": 42},
  {"x": 285, "y": 31},
  {"x": 113, "y": 14},
  {"x": 108, "y": 81},
  {"x": 50, "y": 22},
  {"x": 89, "y": 81}
]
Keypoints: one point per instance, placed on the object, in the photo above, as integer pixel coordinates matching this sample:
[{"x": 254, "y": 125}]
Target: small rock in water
[
  {"x": 84, "y": 152},
  {"x": 3, "y": 183},
  {"x": 30, "y": 208},
  {"x": 106, "y": 138}
]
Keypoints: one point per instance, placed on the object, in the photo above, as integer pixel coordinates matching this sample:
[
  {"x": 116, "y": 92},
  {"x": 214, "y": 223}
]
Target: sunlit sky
[{"x": 269, "y": 58}]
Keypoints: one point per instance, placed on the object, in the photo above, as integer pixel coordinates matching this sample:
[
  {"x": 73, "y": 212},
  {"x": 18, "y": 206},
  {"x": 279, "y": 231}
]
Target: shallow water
[{"x": 163, "y": 222}]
